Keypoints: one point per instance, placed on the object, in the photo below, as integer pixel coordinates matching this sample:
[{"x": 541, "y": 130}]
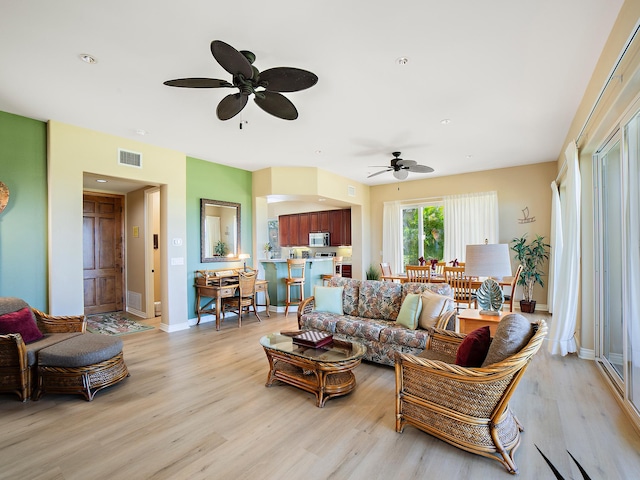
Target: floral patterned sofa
[{"x": 370, "y": 308}]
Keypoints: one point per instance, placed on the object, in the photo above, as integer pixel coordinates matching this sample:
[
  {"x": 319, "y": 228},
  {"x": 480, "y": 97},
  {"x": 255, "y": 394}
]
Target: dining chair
[
  {"x": 246, "y": 298},
  {"x": 337, "y": 270},
  {"x": 508, "y": 298},
  {"x": 385, "y": 268},
  {"x": 295, "y": 278},
  {"x": 420, "y": 274},
  {"x": 440, "y": 268},
  {"x": 461, "y": 285}
]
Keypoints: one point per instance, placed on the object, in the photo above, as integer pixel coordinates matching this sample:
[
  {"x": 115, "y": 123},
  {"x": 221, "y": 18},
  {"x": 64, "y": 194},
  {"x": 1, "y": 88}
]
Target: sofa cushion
[
  {"x": 328, "y": 299},
  {"x": 360, "y": 327},
  {"x": 379, "y": 300},
  {"x": 473, "y": 349},
  {"x": 410, "y": 311},
  {"x": 320, "y": 321},
  {"x": 23, "y": 322},
  {"x": 350, "y": 293},
  {"x": 49, "y": 339},
  {"x": 399, "y": 337},
  {"x": 438, "y": 288},
  {"x": 433, "y": 306},
  {"x": 513, "y": 333}
]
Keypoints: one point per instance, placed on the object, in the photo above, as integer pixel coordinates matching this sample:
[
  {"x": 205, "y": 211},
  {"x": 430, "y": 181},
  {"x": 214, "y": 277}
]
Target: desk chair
[
  {"x": 295, "y": 278},
  {"x": 337, "y": 270},
  {"x": 246, "y": 298}
]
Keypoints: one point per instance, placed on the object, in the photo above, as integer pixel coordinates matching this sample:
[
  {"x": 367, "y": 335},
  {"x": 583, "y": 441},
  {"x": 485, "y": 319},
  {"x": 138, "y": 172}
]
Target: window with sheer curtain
[{"x": 437, "y": 228}]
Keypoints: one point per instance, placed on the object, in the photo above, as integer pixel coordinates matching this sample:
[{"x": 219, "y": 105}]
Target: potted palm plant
[{"x": 531, "y": 256}]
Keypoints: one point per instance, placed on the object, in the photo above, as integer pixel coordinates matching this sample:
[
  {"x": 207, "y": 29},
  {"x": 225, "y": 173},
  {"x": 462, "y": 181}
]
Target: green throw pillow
[
  {"x": 328, "y": 299},
  {"x": 410, "y": 311}
]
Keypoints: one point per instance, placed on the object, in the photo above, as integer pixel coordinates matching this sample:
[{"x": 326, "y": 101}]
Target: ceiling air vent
[
  {"x": 351, "y": 190},
  {"x": 129, "y": 158}
]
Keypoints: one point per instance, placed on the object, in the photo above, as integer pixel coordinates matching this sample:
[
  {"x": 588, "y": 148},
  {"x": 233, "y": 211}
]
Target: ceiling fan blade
[
  {"x": 420, "y": 169},
  {"x": 405, "y": 163},
  {"x": 378, "y": 173},
  {"x": 277, "y": 105},
  {"x": 198, "y": 83},
  {"x": 287, "y": 79},
  {"x": 231, "y": 59},
  {"x": 231, "y": 105}
]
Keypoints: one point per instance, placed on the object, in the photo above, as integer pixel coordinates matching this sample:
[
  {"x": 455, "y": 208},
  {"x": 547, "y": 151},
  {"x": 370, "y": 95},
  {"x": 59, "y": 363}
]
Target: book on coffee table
[{"x": 313, "y": 339}]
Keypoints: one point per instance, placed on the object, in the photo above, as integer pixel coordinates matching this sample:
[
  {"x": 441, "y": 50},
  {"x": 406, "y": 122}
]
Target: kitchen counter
[{"x": 275, "y": 271}]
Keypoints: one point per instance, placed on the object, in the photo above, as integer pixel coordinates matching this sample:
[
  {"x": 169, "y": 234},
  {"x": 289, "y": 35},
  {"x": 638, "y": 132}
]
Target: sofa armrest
[
  {"x": 59, "y": 324},
  {"x": 306, "y": 306}
]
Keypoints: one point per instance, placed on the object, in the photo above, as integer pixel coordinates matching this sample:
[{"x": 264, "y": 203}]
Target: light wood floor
[{"x": 195, "y": 407}]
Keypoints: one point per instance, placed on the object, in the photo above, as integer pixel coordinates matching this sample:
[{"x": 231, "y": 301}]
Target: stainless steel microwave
[{"x": 319, "y": 239}]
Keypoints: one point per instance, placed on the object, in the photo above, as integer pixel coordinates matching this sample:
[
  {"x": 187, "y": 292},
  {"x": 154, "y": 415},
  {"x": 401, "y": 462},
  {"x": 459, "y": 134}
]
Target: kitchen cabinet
[
  {"x": 346, "y": 271},
  {"x": 340, "y": 227},
  {"x": 303, "y": 232},
  {"x": 295, "y": 228},
  {"x": 284, "y": 227}
]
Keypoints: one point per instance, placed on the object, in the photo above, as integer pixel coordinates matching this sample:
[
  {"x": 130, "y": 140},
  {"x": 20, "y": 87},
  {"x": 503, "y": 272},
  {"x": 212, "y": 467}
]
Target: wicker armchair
[
  {"x": 466, "y": 407},
  {"x": 18, "y": 368}
]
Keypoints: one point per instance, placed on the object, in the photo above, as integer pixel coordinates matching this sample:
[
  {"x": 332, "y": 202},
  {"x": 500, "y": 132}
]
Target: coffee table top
[{"x": 335, "y": 352}]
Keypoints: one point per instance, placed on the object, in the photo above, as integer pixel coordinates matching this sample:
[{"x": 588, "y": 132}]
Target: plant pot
[{"x": 527, "y": 307}]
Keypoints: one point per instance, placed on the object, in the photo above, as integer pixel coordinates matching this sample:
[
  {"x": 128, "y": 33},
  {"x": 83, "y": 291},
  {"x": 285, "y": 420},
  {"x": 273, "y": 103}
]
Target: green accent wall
[
  {"x": 23, "y": 224},
  {"x": 215, "y": 182}
]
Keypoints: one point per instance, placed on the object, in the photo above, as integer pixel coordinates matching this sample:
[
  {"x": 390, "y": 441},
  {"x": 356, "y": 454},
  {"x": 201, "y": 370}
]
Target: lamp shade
[
  {"x": 244, "y": 256},
  {"x": 488, "y": 260}
]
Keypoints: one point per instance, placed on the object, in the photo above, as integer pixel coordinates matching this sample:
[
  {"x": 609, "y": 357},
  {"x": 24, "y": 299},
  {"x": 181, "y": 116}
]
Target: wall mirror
[{"x": 219, "y": 231}]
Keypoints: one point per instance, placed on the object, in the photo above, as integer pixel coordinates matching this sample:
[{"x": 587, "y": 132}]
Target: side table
[{"x": 470, "y": 319}]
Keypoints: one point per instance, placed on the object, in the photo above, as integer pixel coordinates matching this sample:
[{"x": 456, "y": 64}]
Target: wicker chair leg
[{"x": 507, "y": 457}]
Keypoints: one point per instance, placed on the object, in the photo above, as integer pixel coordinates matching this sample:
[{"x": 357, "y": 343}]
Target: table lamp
[
  {"x": 488, "y": 260},
  {"x": 243, "y": 257}
]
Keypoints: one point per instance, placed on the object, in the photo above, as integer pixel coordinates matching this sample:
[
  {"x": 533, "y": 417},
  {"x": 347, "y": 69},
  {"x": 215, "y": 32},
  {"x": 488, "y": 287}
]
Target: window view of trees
[{"x": 428, "y": 219}]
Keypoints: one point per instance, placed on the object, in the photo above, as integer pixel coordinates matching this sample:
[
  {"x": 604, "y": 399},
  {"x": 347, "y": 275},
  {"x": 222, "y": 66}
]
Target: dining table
[{"x": 402, "y": 278}]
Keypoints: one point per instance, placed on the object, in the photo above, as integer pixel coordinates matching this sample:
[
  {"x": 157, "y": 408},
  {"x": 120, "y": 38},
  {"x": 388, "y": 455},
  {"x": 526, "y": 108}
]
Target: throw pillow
[
  {"x": 433, "y": 306},
  {"x": 513, "y": 333},
  {"x": 328, "y": 299},
  {"x": 473, "y": 349},
  {"x": 22, "y": 322},
  {"x": 410, "y": 311}
]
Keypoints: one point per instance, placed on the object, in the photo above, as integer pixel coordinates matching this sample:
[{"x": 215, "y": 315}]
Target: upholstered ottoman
[{"x": 83, "y": 364}]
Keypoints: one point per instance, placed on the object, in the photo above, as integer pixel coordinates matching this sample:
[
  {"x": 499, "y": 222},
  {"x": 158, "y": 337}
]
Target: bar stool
[
  {"x": 337, "y": 271},
  {"x": 295, "y": 267}
]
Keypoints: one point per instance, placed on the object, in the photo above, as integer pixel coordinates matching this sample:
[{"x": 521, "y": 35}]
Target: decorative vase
[{"x": 527, "y": 307}]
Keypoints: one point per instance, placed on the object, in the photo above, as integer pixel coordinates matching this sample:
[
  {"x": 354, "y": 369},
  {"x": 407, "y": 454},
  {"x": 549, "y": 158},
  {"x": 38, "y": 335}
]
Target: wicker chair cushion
[
  {"x": 473, "y": 349},
  {"x": 49, "y": 339},
  {"x": 328, "y": 299},
  {"x": 513, "y": 333},
  {"x": 433, "y": 306},
  {"x": 435, "y": 355},
  {"x": 410, "y": 311},
  {"x": 22, "y": 322},
  {"x": 80, "y": 351}
]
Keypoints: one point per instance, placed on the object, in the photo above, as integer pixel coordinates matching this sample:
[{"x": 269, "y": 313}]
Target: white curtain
[
  {"x": 211, "y": 233},
  {"x": 556, "y": 243},
  {"x": 565, "y": 301},
  {"x": 469, "y": 219},
  {"x": 392, "y": 236}
]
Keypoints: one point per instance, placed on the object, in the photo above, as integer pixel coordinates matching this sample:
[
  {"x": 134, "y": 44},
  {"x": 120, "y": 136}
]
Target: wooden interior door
[{"x": 102, "y": 253}]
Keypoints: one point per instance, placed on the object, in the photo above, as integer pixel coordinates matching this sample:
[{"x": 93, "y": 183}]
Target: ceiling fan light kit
[
  {"x": 264, "y": 86},
  {"x": 401, "y": 167}
]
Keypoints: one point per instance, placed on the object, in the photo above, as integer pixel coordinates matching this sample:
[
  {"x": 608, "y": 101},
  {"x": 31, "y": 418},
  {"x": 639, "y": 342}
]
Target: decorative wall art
[
  {"x": 525, "y": 216},
  {"x": 4, "y": 196}
]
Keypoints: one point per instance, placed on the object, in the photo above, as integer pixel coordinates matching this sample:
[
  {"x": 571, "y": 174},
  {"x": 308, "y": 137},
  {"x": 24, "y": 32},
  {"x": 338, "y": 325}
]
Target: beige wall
[
  {"x": 517, "y": 187},
  {"x": 73, "y": 151}
]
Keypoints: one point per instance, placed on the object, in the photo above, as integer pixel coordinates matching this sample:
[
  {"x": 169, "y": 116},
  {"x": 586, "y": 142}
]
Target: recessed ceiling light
[
  {"x": 141, "y": 131},
  {"x": 85, "y": 57},
  {"x": 469, "y": 156},
  {"x": 318, "y": 152},
  {"x": 402, "y": 61},
  {"x": 101, "y": 180},
  {"x": 445, "y": 121}
]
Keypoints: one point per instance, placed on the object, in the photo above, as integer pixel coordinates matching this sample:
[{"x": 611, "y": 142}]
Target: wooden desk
[
  {"x": 470, "y": 319},
  {"x": 216, "y": 288}
]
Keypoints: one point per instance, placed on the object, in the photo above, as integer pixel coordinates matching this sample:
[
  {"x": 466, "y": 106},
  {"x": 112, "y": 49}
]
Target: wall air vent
[
  {"x": 129, "y": 158},
  {"x": 351, "y": 190}
]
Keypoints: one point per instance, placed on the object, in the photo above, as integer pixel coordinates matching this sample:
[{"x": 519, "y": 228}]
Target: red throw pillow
[
  {"x": 21, "y": 322},
  {"x": 473, "y": 349}
]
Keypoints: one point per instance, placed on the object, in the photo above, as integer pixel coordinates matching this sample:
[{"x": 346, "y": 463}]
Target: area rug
[{"x": 114, "y": 323}]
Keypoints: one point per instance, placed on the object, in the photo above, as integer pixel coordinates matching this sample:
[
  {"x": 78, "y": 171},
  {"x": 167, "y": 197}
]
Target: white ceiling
[{"x": 508, "y": 74}]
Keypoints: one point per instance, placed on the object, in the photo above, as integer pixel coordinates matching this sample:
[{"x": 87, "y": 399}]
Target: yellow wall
[
  {"x": 517, "y": 187},
  {"x": 73, "y": 151}
]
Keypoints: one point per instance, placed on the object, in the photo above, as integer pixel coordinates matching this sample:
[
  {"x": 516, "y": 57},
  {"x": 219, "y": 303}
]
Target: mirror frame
[{"x": 203, "y": 258}]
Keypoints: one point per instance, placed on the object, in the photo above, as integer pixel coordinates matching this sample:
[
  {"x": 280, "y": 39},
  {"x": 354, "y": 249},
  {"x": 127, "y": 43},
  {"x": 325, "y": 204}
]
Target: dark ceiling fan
[
  {"x": 401, "y": 167},
  {"x": 249, "y": 80}
]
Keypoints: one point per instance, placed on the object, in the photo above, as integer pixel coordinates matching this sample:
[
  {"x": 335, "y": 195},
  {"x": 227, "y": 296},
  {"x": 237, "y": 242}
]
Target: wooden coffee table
[
  {"x": 325, "y": 371},
  {"x": 470, "y": 319}
]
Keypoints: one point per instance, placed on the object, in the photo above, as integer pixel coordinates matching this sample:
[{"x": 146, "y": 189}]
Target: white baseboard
[
  {"x": 165, "y": 327},
  {"x": 136, "y": 312}
]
